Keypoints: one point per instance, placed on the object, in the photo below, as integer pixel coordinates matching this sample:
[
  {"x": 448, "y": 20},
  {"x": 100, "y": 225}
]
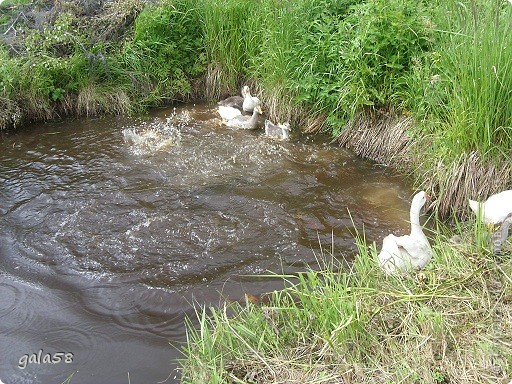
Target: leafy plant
[
  {"x": 165, "y": 52},
  {"x": 355, "y": 58}
]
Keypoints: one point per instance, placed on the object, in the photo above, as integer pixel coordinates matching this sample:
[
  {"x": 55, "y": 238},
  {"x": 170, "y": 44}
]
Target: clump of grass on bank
[
  {"x": 164, "y": 53},
  {"x": 450, "y": 323},
  {"x": 224, "y": 27},
  {"x": 352, "y": 56},
  {"x": 475, "y": 67},
  {"x": 469, "y": 89},
  {"x": 69, "y": 65}
]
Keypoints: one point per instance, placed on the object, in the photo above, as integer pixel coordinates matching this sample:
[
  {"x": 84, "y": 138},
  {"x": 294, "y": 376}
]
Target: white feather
[{"x": 228, "y": 113}]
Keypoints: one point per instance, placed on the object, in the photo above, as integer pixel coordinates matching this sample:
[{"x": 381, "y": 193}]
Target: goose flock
[{"x": 243, "y": 112}]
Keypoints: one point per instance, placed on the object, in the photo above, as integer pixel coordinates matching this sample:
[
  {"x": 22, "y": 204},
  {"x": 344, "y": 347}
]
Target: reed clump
[{"x": 449, "y": 323}]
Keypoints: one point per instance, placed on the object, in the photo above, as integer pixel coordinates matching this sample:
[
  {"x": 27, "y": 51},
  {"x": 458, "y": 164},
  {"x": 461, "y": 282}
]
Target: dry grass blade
[
  {"x": 468, "y": 177},
  {"x": 384, "y": 138},
  {"x": 116, "y": 19}
]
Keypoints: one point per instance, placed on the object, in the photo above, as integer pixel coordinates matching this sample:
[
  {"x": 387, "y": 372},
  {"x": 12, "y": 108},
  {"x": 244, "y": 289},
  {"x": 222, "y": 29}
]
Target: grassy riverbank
[
  {"x": 451, "y": 323},
  {"x": 436, "y": 73}
]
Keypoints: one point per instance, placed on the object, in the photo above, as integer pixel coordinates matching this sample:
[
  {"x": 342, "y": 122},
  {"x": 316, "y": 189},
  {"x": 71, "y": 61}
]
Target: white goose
[
  {"x": 495, "y": 209},
  {"x": 234, "y": 101},
  {"x": 250, "y": 102},
  {"x": 228, "y": 113},
  {"x": 409, "y": 251},
  {"x": 245, "y": 122}
]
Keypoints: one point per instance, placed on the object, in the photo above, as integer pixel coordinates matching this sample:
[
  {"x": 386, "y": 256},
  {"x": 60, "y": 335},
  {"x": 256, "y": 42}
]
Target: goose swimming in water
[
  {"x": 245, "y": 122},
  {"x": 402, "y": 253},
  {"x": 235, "y": 101},
  {"x": 228, "y": 113},
  {"x": 250, "y": 102},
  {"x": 277, "y": 131}
]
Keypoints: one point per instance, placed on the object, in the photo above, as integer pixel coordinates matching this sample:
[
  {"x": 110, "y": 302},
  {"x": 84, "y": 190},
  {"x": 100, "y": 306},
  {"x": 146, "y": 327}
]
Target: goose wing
[
  {"x": 250, "y": 102},
  {"x": 228, "y": 113},
  {"x": 498, "y": 207},
  {"x": 495, "y": 209},
  {"x": 240, "y": 121},
  {"x": 232, "y": 101},
  {"x": 417, "y": 249},
  {"x": 404, "y": 253},
  {"x": 392, "y": 257}
]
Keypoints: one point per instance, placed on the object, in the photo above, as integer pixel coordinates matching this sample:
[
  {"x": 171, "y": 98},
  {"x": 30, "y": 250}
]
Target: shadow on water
[{"x": 112, "y": 228}]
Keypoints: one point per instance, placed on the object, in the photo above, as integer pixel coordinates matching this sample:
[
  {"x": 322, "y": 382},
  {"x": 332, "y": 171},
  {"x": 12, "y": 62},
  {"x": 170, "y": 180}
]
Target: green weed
[
  {"x": 164, "y": 53},
  {"x": 463, "y": 85}
]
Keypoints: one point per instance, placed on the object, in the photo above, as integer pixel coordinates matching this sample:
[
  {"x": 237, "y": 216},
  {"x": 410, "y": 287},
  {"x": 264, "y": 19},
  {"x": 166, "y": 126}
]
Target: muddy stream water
[{"x": 111, "y": 229}]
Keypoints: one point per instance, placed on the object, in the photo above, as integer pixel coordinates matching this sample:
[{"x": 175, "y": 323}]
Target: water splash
[{"x": 158, "y": 135}]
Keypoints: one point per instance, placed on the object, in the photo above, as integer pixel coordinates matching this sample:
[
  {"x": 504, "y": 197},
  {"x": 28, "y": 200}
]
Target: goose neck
[{"x": 415, "y": 220}]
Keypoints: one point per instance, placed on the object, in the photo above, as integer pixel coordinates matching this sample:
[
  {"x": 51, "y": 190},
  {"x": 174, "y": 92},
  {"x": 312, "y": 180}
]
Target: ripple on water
[
  {"x": 11, "y": 297},
  {"x": 21, "y": 301},
  {"x": 139, "y": 307},
  {"x": 48, "y": 326},
  {"x": 212, "y": 203}
]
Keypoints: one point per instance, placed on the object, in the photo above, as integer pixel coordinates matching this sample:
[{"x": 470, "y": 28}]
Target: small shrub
[
  {"x": 165, "y": 51},
  {"x": 355, "y": 58}
]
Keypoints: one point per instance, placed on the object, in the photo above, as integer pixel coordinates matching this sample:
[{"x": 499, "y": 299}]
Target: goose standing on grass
[
  {"x": 402, "y": 253},
  {"x": 250, "y": 102},
  {"x": 246, "y": 122},
  {"x": 495, "y": 209},
  {"x": 277, "y": 131}
]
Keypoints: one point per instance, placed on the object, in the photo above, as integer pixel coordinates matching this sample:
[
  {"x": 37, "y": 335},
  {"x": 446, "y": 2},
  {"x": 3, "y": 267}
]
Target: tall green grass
[
  {"x": 273, "y": 30},
  {"x": 476, "y": 60},
  {"x": 461, "y": 89},
  {"x": 164, "y": 54},
  {"x": 334, "y": 58},
  {"x": 352, "y": 57},
  {"x": 224, "y": 25}
]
